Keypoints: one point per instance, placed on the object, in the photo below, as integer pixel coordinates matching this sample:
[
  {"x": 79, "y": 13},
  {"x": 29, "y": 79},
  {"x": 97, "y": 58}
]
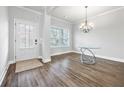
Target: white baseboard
[
  {"x": 111, "y": 58},
  {"x": 46, "y": 60},
  {"x": 5, "y": 71},
  {"x": 11, "y": 62},
  {"x": 105, "y": 57},
  {"x": 60, "y": 53},
  {"x": 40, "y": 57},
  {"x": 3, "y": 74},
  {"x": 77, "y": 52},
  {"x": 55, "y": 54},
  {"x": 28, "y": 58}
]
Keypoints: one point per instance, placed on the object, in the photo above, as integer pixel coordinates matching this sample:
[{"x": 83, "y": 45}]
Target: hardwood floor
[
  {"x": 9, "y": 76},
  {"x": 67, "y": 71}
]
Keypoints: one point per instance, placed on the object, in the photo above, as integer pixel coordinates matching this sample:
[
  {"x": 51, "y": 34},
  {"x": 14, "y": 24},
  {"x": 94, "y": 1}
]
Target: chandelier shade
[{"x": 85, "y": 26}]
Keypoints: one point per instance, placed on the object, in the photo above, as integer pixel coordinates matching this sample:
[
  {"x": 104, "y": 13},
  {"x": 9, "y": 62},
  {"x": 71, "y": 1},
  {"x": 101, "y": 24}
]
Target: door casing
[{"x": 15, "y": 20}]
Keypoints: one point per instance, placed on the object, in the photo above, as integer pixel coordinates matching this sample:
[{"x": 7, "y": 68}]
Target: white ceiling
[
  {"x": 73, "y": 13},
  {"x": 36, "y": 8}
]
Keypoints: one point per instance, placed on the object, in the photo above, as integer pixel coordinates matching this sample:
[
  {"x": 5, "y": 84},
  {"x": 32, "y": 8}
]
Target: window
[
  {"x": 25, "y": 35},
  {"x": 59, "y": 37}
]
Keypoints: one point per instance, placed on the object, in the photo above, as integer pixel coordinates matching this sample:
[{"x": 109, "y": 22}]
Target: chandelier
[{"x": 85, "y": 26}]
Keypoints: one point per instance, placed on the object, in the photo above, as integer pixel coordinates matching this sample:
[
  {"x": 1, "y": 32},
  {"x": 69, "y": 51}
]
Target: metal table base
[{"x": 85, "y": 58}]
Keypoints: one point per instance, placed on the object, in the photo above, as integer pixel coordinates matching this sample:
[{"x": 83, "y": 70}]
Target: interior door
[{"x": 27, "y": 37}]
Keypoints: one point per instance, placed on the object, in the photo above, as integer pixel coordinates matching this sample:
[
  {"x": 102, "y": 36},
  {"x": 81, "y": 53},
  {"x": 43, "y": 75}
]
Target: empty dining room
[{"x": 61, "y": 46}]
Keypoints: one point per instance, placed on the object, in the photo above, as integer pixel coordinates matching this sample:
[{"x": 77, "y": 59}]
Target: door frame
[{"x": 14, "y": 29}]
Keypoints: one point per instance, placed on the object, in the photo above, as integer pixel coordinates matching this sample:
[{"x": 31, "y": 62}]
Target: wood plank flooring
[
  {"x": 67, "y": 71},
  {"x": 9, "y": 76}
]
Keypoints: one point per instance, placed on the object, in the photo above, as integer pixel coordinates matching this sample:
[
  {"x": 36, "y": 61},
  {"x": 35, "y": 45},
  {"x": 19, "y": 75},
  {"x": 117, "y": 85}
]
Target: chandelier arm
[{"x": 86, "y": 27}]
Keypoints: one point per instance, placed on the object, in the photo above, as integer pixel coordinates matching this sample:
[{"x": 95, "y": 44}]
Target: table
[{"x": 88, "y": 59}]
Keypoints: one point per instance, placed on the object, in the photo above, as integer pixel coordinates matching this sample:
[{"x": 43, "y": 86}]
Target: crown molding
[
  {"x": 40, "y": 13},
  {"x": 61, "y": 20},
  {"x": 75, "y": 22},
  {"x": 30, "y": 10},
  {"x": 100, "y": 14}
]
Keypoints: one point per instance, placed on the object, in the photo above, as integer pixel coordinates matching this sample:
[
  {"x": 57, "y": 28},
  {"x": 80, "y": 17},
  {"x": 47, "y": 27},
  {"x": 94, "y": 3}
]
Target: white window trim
[{"x": 64, "y": 28}]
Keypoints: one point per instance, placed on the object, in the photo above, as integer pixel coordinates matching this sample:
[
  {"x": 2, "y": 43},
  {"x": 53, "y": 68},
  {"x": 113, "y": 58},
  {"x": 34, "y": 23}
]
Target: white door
[{"x": 27, "y": 37}]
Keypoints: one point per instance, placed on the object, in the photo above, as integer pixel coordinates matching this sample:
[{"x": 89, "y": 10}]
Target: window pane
[
  {"x": 22, "y": 40},
  {"x": 31, "y": 39},
  {"x": 59, "y": 37},
  {"x": 27, "y": 36}
]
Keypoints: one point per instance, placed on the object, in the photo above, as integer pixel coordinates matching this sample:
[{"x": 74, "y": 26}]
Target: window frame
[{"x": 64, "y": 29}]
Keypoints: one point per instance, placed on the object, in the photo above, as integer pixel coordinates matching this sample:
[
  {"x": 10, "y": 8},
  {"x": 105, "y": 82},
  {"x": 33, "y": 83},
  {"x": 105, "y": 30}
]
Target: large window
[{"x": 59, "y": 37}]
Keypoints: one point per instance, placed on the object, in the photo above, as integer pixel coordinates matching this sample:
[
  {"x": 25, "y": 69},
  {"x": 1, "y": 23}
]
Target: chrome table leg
[{"x": 85, "y": 58}]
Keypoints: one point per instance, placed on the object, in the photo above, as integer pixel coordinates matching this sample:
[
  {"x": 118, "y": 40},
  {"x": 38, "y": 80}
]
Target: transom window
[{"x": 59, "y": 37}]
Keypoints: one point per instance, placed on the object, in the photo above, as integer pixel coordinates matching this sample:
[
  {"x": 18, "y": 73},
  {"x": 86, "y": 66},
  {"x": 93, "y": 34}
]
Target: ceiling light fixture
[{"x": 85, "y": 26}]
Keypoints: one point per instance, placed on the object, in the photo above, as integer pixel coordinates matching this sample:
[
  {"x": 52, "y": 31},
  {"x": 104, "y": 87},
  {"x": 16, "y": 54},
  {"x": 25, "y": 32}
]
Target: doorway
[{"x": 26, "y": 40}]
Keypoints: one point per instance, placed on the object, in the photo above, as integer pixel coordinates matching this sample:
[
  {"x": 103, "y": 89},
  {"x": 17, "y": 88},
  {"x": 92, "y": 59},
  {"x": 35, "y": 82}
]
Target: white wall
[
  {"x": 64, "y": 24},
  {"x": 108, "y": 34},
  {"x": 20, "y": 13},
  {"x": 3, "y": 41}
]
